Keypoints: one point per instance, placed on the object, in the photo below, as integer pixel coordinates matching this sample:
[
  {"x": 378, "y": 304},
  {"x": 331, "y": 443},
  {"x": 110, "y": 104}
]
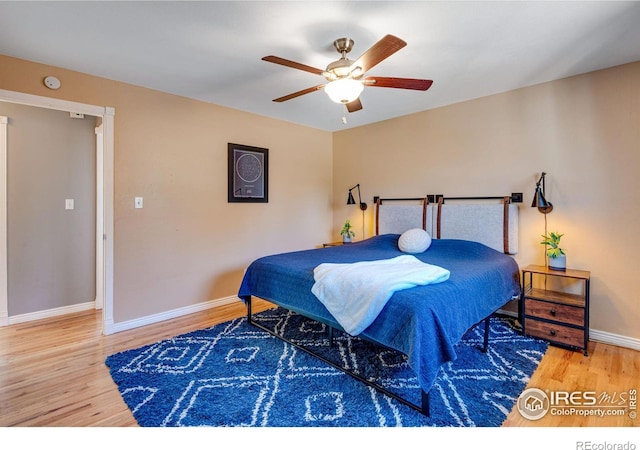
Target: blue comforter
[{"x": 423, "y": 322}]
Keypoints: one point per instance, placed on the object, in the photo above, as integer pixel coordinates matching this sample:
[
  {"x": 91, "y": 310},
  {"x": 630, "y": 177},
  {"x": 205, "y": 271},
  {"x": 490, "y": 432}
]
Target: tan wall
[
  {"x": 188, "y": 245},
  {"x": 583, "y": 131},
  {"x": 51, "y": 250}
]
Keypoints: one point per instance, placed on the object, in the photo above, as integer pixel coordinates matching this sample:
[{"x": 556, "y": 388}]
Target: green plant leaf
[
  {"x": 553, "y": 241},
  {"x": 346, "y": 229}
]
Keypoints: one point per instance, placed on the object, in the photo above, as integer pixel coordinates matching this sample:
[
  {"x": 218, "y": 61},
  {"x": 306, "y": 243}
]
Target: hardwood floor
[
  {"x": 608, "y": 370},
  {"x": 52, "y": 372}
]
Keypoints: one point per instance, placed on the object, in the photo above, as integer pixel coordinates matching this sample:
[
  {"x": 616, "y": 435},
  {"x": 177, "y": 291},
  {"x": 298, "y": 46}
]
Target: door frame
[{"x": 104, "y": 193}]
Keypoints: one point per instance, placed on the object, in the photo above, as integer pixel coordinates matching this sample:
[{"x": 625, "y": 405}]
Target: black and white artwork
[{"x": 248, "y": 174}]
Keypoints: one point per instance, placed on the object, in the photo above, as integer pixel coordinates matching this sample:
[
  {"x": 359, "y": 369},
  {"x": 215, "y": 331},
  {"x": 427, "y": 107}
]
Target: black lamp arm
[
  {"x": 363, "y": 206},
  {"x": 541, "y": 180}
]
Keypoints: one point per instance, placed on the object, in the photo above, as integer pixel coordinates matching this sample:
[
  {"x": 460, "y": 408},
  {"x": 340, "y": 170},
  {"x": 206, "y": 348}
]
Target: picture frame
[{"x": 248, "y": 174}]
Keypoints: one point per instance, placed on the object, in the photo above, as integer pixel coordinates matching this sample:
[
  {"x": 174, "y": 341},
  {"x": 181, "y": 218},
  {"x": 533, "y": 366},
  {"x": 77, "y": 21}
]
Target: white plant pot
[
  {"x": 558, "y": 263},
  {"x": 346, "y": 238}
]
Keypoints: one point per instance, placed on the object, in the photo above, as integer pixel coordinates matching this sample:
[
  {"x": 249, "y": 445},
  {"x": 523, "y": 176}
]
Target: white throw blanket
[{"x": 355, "y": 293}]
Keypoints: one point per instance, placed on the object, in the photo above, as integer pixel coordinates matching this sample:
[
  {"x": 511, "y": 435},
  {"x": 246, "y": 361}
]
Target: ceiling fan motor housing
[
  {"x": 339, "y": 69},
  {"x": 342, "y": 67},
  {"x": 343, "y": 45}
]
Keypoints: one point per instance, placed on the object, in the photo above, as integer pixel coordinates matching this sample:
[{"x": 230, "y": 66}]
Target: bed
[{"x": 422, "y": 322}]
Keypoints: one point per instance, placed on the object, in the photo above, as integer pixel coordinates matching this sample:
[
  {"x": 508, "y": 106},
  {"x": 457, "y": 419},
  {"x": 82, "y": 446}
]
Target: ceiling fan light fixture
[{"x": 344, "y": 90}]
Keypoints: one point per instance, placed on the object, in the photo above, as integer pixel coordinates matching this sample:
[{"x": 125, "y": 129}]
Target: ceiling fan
[{"x": 345, "y": 78}]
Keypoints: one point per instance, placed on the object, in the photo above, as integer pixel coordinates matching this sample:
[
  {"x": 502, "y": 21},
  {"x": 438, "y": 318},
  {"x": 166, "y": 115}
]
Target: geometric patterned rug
[{"x": 236, "y": 375}]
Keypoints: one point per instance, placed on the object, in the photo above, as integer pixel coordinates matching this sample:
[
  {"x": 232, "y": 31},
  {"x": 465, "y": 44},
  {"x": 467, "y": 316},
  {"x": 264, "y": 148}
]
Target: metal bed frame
[{"x": 422, "y": 408}]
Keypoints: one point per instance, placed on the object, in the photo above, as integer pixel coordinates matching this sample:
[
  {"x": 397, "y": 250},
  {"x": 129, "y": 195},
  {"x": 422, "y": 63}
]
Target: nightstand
[
  {"x": 561, "y": 318},
  {"x": 334, "y": 244}
]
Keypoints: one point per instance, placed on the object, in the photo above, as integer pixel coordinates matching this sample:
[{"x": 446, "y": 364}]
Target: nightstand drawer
[
  {"x": 554, "y": 332},
  {"x": 554, "y": 311}
]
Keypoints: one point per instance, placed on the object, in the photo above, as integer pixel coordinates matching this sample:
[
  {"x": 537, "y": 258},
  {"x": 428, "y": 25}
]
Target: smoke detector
[{"x": 52, "y": 82}]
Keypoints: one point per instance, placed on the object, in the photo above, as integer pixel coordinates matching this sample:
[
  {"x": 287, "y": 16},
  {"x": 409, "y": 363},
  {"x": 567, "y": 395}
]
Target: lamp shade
[
  {"x": 351, "y": 200},
  {"x": 540, "y": 202},
  {"x": 344, "y": 90}
]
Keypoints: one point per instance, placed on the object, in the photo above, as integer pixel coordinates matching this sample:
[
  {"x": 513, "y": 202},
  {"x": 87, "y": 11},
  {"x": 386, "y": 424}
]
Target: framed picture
[{"x": 248, "y": 174}]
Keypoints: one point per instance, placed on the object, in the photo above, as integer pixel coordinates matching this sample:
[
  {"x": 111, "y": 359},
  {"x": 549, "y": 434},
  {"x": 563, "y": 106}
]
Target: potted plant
[
  {"x": 346, "y": 232},
  {"x": 556, "y": 256}
]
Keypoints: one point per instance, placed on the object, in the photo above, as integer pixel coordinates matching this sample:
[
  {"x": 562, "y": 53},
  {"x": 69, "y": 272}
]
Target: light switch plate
[
  {"x": 69, "y": 203},
  {"x": 138, "y": 202}
]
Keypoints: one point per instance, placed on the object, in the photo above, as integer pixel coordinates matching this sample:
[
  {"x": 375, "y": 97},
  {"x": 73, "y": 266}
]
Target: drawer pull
[
  {"x": 552, "y": 332},
  {"x": 553, "y": 312}
]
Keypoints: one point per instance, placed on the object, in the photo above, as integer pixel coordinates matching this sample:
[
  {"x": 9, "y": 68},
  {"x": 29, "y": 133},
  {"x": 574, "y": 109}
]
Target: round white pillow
[{"x": 415, "y": 240}]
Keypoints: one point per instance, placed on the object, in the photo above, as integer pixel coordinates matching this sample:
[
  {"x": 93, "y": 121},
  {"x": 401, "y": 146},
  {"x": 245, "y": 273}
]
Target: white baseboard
[
  {"x": 507, "y": 312},
  {"x": 48, "y": 313},
  {"x": 111, "y": 328},
  {"x": 614, "y": 339}
]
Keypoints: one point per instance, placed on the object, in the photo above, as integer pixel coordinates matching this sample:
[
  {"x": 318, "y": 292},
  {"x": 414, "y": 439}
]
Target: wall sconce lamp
[
  {"x": 539, "y": 201},
  {"x": 545, "y": 207},
  {"x": 351, "y": 200}
]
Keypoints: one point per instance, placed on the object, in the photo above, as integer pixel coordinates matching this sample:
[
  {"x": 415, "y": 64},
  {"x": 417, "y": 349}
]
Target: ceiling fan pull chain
[{"x": 344, "y": 114}]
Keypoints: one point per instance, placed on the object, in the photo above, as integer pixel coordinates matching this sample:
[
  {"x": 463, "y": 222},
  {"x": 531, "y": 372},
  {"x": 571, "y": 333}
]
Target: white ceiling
[{"x": 212, "y": 50}]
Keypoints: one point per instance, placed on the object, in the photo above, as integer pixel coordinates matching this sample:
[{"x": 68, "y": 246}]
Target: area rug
[{"x": 235, "y": 375}]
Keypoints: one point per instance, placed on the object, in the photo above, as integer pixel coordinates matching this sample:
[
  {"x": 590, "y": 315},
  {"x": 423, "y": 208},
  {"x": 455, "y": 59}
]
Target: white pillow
[{"x": 415, "y": 240}]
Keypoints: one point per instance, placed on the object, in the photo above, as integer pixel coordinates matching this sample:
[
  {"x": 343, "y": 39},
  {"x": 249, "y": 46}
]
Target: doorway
[{"x": 103, "y": 199}]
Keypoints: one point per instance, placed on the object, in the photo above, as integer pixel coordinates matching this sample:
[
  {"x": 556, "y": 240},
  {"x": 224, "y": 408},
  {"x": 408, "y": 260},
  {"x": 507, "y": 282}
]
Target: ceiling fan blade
[
  {"x": 292, "y": 64},
  {"x": 354, "y": 106},
  {"x": 299, "y": 93},
  {"x": 399, "y": 83},
  {"x": 380, "y": 51}
]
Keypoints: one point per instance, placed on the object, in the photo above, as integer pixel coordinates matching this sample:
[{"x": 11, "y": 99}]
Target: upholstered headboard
[
  {"x": 492, "y": 221},
  {"x": 400, "y": 215}
]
